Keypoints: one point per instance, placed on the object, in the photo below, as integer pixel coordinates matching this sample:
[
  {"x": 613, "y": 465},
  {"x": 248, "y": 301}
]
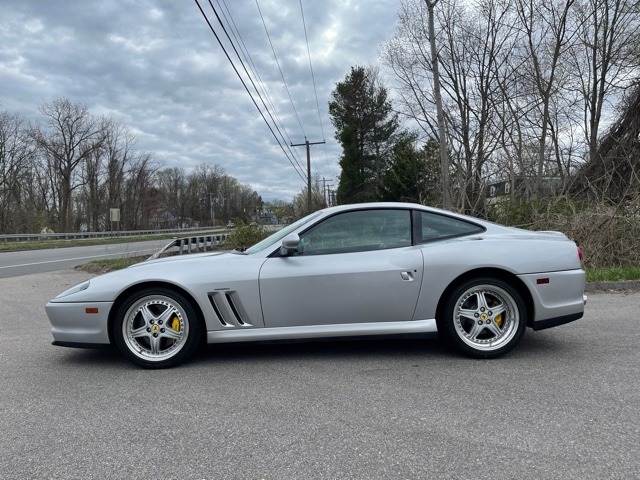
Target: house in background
[
  {"x": 267, "y": 217},
  {"x": 169, "y": 218},
  {"x": 549, "y": 186}
]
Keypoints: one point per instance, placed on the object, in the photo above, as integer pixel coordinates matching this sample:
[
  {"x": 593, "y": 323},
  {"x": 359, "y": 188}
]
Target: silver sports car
[{"x": 351, "y": 270}]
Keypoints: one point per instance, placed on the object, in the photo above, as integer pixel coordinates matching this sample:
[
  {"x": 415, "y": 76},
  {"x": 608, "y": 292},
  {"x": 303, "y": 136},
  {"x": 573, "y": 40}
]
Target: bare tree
[
  {"x": 299, "y": 202},
  {"x": 442, "y": 138},
  {"x": 119, "y": 162},
  {"x": 173, "y": 184},
  {"x": 141, "y": 197},
  {"x": 16, "y": 161},
  {"x": 604, "y": 58},
  {"x": 472, "y": 51},
  {"x": 548, "y": 35},
  {"x": 192, "y": 194},
  {"x": 70, "y": 136}
]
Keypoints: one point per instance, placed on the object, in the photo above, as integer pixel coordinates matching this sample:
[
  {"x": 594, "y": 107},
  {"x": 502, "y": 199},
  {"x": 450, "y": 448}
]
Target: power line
[
  {"x": 315, "y": 90},
  {"x": 252, "y": 66},
  {"x": 280, "y": 69},
  {"x": 313, "y": 78},
  {"x": 251, "y": 80},
  {"x": 245, "y": 86}
]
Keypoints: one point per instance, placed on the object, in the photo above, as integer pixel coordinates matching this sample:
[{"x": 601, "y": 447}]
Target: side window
[
  {"x": 358, "y": 232},
  {"x": 437, "y": 227}
]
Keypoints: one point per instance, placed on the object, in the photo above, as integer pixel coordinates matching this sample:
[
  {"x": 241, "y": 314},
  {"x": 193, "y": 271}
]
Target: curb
[{"x": 624, "y": 286}]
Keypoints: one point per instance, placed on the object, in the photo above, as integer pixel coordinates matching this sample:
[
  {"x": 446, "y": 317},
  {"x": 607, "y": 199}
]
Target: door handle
[{"x": 407, "y": 276}]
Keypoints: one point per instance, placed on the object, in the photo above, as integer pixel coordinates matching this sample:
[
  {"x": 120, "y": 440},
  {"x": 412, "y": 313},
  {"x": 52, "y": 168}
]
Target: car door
[{"x": 354, "y": 267}]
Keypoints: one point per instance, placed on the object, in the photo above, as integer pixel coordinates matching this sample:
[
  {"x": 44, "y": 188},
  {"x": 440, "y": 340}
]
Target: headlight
[{"x": 78, "y": 288}]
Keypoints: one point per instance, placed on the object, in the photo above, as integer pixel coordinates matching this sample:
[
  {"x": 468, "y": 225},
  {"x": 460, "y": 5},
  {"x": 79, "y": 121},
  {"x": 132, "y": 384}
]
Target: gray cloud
[{"x": 156, "y": 67}]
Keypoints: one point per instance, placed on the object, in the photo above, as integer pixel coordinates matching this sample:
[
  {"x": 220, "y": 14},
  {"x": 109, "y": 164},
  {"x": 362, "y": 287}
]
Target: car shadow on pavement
[
  {"x": 91, "y": 357},
  {"x": 319, "y": 349},
  {"x": 285, "y": 350},
  {"x": 534, "y": 344}
]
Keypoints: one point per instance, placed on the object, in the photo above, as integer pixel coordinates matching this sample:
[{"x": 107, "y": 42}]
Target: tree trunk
[{"x": 444, "y": 152}]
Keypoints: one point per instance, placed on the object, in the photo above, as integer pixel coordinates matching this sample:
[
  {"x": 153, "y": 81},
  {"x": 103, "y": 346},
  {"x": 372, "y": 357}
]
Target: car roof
[{"x": 405, "y": 205}]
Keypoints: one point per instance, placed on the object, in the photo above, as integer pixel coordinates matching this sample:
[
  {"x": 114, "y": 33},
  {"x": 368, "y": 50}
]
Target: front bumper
[{"x": 83, "y": 324}]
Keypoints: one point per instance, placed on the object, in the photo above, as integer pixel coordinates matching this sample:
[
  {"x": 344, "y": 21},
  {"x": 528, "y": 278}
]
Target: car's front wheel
[
  {"x": 156, "y": 328},
  {"x": 484, "y": 317}
]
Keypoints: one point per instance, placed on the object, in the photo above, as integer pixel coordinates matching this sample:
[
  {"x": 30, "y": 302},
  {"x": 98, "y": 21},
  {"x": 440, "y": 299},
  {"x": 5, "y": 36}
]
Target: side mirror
[{"x": 289, "y": 244}]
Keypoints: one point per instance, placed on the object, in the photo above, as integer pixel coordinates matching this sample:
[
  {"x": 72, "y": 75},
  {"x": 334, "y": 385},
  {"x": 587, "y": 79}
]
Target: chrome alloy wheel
[
  {"x": 486, "y": 317},
  {"x": 155, "y": 328}
]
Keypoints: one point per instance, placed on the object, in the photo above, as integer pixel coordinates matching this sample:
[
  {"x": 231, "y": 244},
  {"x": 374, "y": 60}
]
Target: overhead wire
[
  {"x": 313, "y": 78},
  {"x": 235, "y": 32},
  {"x": 246, "y": 88},
  {"x": 224, "y": 29},
  {"x": 279, "y": 68}
]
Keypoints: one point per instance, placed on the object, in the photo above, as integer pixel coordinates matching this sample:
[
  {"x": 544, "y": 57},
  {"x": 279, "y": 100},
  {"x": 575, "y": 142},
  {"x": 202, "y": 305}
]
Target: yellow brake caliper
[
  {"x": 175, "y": 324},
  {"x": 498, "y": 318}
]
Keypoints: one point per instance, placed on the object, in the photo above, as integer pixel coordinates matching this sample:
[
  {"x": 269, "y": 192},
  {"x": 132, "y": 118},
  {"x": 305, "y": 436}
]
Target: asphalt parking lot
[{"x": 565, "y": 404}]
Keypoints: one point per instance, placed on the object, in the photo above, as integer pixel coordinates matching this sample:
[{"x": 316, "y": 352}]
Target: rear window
[{"x": 439, "y": 227}]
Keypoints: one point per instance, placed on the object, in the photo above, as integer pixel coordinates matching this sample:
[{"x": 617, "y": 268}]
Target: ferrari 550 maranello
[{"x": 351, "y": 270}]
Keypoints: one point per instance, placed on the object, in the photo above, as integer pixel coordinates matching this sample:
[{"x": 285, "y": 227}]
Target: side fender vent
[
  {"x": 217, "y": 310},
  {"x": 229, "y": 310},
  {"x": 234, "y": 309}
]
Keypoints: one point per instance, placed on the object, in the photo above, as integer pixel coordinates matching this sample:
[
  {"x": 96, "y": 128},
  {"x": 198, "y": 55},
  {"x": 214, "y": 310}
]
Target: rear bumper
[
  {"x": 555, "y": 322},
  {"x": 558, "y": 297}
]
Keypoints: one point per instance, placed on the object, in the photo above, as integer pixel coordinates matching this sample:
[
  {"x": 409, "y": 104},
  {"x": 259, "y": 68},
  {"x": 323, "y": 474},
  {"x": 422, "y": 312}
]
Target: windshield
[{"x": 280, "y": 234}]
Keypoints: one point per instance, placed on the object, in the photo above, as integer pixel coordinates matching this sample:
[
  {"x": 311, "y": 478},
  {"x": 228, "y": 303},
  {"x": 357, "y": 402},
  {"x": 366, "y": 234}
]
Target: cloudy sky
[{"x": 157, "y": 68}]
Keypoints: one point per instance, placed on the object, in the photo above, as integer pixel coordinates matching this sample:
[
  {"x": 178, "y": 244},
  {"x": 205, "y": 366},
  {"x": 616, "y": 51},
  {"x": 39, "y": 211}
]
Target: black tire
[
  {"x": 157, "y": 328},
  {"x": 484, "y": 318}
]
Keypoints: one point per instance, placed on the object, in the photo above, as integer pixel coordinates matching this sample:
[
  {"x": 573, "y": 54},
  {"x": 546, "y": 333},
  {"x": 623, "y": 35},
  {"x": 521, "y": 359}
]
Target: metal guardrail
[
  {"x": 80, "y": 235},
  {"x": 197, "y": 244}
]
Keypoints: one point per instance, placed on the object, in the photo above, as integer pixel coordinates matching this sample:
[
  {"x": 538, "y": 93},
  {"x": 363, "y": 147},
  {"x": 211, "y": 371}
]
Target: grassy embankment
[{"x": 613, "y": 274}]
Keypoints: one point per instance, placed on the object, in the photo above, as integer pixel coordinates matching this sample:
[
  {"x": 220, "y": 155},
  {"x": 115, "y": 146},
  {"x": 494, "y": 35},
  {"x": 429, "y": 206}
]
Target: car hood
[
  {"x": 182, "y": 258},
  {"x": 194, "y": 271}
]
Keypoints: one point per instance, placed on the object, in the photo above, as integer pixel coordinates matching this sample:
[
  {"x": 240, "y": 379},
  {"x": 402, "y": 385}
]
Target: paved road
[
  {"x": 565, "y": 405},
  {"x": 14, "y": 264}
]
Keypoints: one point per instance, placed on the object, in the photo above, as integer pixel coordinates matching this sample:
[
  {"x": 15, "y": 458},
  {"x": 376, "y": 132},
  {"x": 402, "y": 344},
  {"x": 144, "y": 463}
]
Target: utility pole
[
  {"x": 444, "y": 153},
  {"x": 308, "y": 144},
  {"x": 326, "y": 191},
  {"x": 213, "y": 214}
]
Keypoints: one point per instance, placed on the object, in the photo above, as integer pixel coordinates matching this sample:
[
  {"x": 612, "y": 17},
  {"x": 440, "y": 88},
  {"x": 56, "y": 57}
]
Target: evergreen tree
[
  {"x": 365, "y": 127},
  {"x": 414, "y": 174}
]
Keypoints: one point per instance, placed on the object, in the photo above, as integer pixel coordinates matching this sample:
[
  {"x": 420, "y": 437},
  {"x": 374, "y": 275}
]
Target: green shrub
[{"x": 243, "y": 236}]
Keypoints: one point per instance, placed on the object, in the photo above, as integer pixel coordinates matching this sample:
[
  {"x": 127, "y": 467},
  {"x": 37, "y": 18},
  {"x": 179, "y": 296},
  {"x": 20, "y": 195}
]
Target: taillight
[{"x": 580, "y": 254}]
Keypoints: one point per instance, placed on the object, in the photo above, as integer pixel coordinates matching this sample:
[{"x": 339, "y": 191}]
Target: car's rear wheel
[
  {"x": 484, "y": 317},
  {"x": 156, "y": 328}
]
